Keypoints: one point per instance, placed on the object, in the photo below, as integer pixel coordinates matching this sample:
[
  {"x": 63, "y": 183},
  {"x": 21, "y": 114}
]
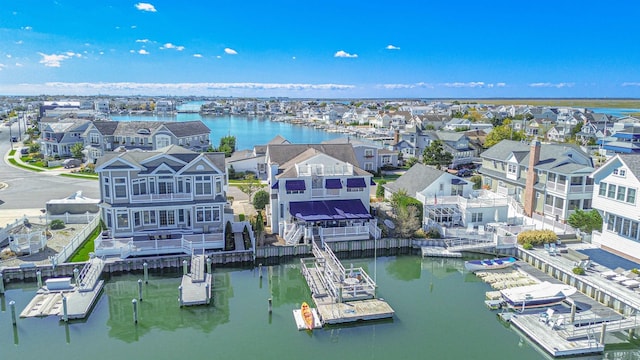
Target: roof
[
  {"x": 187, "y": 128},
  {"x": 632, "y": 162},
  {"x": 415, "y": 179},
  {"x": 138, "y": 157},
  {"x": 282, "y": 153}
]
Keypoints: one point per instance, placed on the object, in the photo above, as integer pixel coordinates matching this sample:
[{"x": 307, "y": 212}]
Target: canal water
[
  {"x": 440, "y": 314},
  {"x": 248, "y": 130}
]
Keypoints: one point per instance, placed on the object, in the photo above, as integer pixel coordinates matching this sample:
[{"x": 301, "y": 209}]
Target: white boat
[
  {"x": 538, "y": 295},
  {"x": 489, "y": 264}
]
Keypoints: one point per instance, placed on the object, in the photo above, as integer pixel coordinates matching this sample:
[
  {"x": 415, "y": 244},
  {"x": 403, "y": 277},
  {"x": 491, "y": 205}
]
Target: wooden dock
[
  {"x": 341, "y": 295},
  {"x": 80, "y": 297},
  {"x": 195, "y": 288},
  {"x": 438, "y": 251}
]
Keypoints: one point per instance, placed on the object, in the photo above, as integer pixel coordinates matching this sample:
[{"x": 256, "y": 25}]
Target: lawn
[
  {"x": 88, "y": 246},
  {"x": 15, "y": 163}
]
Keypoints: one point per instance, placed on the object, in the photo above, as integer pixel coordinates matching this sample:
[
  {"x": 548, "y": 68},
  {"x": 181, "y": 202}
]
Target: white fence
[
  {"x": 68, "y": 218},
  {"x": 4, "y": 232},
  {"x": 73, "y": 245}
]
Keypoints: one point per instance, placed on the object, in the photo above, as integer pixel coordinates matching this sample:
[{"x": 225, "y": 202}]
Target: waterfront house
[
  {"x": 103, "y": 136},
  {"x": 625, "y": 138},
  {"x": 370, "y": 157},
  {"x": 615, "y": 196},
  {"x": 253, "y": 161},
  {"x": 58, "y": 137},
  {"x": 318, "y": 193},
  {"x": 166, "y": 200},
  {"x": 551, "y": 180}
]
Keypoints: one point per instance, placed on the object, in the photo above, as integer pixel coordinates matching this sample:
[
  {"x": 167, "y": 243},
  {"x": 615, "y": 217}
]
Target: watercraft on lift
[
  {"x": 489, "y": 264},
  {"x": 538, "y": 295},
  {"x": 307, "y": 315}
]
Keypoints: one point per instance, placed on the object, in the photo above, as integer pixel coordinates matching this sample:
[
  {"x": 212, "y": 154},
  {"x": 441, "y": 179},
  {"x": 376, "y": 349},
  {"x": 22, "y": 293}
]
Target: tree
[
  {"x": 380, "y": 189},
  {"x": 434, "y": 154},
  {"x": 258, "y": 228},
  {"x": 503, "y": 132},
  {"x": 260, "y": 199},
  {"x": 586, "y": 221},
  {"x": 246, "y": 238},
  {"x": 408, "y": 213},
  {"x": 477, "y": 181},
  {"x": 227, "y": 145},
  {"x": 76, "y": 150},
  {"x": 229, "y": 240},
  {"x": 250, "y": 185}
]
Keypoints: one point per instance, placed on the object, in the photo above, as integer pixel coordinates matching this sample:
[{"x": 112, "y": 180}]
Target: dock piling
[
  {"x": 135, "y": 311},
  {"x": 145, "y": 268},
  {"x": 270, "y": 305},
  {"x": 39, "y": 278},
  {"x": 573, "y": 313},
  {"x": 260, "y": 270},
  {"x": 65, "y": 309},
  {"x": 603, "y": 333},
  {"x": 180, "y": 295},
  {"x": 184, "y": 267},
  {"x": 140, "y": 289},
  {"x": 76, "y": 276},
  {"x": 12, "y": 305},
  {"x": 1, "y": 283},
  {"x": 208, "y": 265},
  {"x": 206, "y": 294}
]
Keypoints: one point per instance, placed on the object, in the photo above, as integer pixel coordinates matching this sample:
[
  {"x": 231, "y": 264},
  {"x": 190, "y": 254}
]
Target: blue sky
[{"x": 343, "y": 49}]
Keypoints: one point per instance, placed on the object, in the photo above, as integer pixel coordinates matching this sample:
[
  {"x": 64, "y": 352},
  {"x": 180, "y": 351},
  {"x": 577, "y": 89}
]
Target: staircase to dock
[
  {"x": 90, "y": 274},
  {"x": 197, "y": 268}
]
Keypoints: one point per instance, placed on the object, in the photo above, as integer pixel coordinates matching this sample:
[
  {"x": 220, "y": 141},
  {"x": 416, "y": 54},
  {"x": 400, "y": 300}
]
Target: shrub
[
  {"x": 240, "y": 217},
  {"x": 578, "y": 270},
  {"x": 433, "y": 234},
  {"x": 537, "y": 237},
  {"x": 260, "y": 199},
  {"x": 380, "y": 189},
  {"x": 56, "y": 224},
  {"x": 527, "y": 246},
  {"x": 635, "y": 271}
]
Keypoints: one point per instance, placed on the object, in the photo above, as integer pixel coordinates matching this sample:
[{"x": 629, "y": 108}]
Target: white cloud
[
  {"x": 293, "y": 58},
  {"x": 218, "y": 57},
  {"x": 197, "y": 55},
  {"x": 28, "y": 28},
  {"x": 143, "y": 52},
  {"x": 19, "y": 65},
  {"x": 133, "y": 26},
  {"x": 550, "y": 85},
  {"x": 53, "y": 60},
  {"x": 392, "y": 47},
  {"x": 2, "y": 66},
  {"x": 230, "y": 51},
  {"x": 19, "y": 42},
  {"x": 8, "y": 56},
  {"x": 145, "y": 7},
  {"x": 501, "y": 84},
  {"x": 171, "y": 46},
  {"x": 344, "y": 54},
  {"x": 631, "y": 84},
  {"x": 72, "y": 54},
  {"x": 405, "y": 86},
  {"x": 472, "y": 84},
  {"x": 143, "y": 41}
]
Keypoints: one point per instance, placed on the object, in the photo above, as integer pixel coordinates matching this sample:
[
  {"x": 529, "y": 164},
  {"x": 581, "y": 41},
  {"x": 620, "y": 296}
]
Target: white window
[
  {"x": 167, "y": 217},
  {"x": 120, "y": 188},
  {"x": 165, "y": 185},
  {"x": 162, "y": 141},
  {"x": 94, "y": 138},
  {"x": 619, "y": 172},
  {"x": 476, "y": 217},
  {"x": 207, "y": 214},
  {"x": 139, "y": 186},
  {"x": 203, "y": 185},
  {"x": 107, "y": 188},
  {"x": 512, "y": 169},
  {"x": 149, "y": 217},
  {"x": 122, "y": 219}
]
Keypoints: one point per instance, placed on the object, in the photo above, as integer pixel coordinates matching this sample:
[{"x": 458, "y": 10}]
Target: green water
[{"x": 440, "y": 314}]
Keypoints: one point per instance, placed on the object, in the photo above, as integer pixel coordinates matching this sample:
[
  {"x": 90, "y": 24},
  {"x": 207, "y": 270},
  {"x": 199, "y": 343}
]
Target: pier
[
  {"x": 195, "y": 288},
  {"x": 67, "y": 298},
  {"x": 341, "y": 295}
]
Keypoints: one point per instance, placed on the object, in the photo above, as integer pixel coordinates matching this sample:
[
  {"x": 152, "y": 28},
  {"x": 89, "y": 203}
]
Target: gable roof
[
  {"x": 282, "y": 153},
  {"x": 416, "y": 179}
]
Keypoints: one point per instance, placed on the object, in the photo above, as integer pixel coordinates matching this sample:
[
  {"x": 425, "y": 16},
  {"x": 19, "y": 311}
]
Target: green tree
[
  {"x": 227, "y": 145},
  {"x": 258, "y": 228},
  {"x": 34, "y": 148},
  {"x": 229, "y": 240},
  {"x": 408, "y": 213},
  {"x": 250, "y": 185},
  {"x": 586, "y": 221},
  {"x": 260, "y": 199},
  {"x": 503, "y": 132},
  {"x": 380, "y": 188},
  {"x": 76, "y": 150},
  {"x": 246, "y": 238},
  {"x": 477, "y": 181},
  {"x": 434, "y": 154}
]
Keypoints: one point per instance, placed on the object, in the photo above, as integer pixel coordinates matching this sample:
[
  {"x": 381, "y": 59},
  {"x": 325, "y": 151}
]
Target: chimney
[
  {"x": 396, "y": 136},
  {"x": 529, "y": 191}
]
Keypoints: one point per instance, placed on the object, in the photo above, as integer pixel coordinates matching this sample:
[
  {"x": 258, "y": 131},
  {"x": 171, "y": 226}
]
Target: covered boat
[
  {"x": 538, "y": 295},
  {"x": 307, "y": 315},
  {"x": 489, "y": 264}
]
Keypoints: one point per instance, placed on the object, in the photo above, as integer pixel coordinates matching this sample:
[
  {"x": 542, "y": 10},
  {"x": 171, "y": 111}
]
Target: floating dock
[
  {"x": 80, "y": 297},
  {"x": 341, "y": 295},
  {"x": 438, "y": 251},
  {"x": 195, "y": 288},
  {"x": 301, "y": 325}
]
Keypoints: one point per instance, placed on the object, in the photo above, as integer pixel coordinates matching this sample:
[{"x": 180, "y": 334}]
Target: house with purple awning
[{"x": 317, "y": 193}]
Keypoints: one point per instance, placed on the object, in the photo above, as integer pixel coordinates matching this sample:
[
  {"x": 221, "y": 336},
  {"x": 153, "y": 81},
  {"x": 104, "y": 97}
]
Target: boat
[
  {"x": 307, "y": 315},
  {"x": 489, "y": 264},
  {"x": 538, "y": 295}
]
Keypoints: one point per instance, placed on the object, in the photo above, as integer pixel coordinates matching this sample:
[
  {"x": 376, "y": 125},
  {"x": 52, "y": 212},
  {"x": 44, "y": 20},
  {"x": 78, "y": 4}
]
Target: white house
[{"x": 615, "y": 196}]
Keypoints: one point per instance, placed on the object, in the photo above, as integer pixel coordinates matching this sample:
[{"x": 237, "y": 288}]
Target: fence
[
  {"x": 74, "y": 218},
  {"x": 73, "y": 245},
  {"x": 4, "y": 232}
]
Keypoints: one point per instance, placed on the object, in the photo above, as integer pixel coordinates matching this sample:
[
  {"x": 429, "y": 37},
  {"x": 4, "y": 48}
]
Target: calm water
[
  {"x": 619, "y": 112},
  {"x": 249, "y": 131},
  {"x": 440, "y": 314}
]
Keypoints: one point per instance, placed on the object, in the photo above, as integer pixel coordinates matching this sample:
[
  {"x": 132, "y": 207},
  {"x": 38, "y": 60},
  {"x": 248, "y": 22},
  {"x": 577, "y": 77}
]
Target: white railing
[
  {"x": 344, "y": 231},
  {"x": 29, "y": 243},
  {"x": 126, "y": 247},
  {"x": 161, "y": 197},
  {"x": 77, "y": 240},
  {"x": 581, "y": 189},
  {"x": 325, "y": 193},
  {"x": 73, "y": 218},
  {"x": 4, "y": 232},
  {"x": 293, "y": 239},
  {"x": 374, "y": 230},
  {"x": 558, "y": 187}
]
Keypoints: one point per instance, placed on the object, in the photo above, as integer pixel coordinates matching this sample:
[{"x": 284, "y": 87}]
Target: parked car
[
  {"x": 14, "y": 139},
  {"x": 71, "y": 163},
  {"x": 24, "y": 151}
]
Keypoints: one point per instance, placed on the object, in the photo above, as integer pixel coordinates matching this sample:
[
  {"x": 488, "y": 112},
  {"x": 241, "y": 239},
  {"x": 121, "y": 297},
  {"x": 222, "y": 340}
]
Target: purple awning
[
  {"x": 356, "y": 183},
  {"x": 295, "y": 185},
  {"x": 329, "y": 210},
  {"x": 372, "y": 183},
  {"x": 275, "y": 185},
  {"x": 458, "y": 182},
  {"x": 332, "y": 184}
]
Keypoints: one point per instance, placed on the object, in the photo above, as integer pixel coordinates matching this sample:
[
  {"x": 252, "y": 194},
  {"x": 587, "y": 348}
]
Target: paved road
[{"x": 30, "y": 190}]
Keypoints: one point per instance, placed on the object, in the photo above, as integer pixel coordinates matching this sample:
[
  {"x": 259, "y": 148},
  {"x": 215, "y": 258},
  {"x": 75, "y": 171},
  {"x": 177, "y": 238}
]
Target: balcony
[
  {"x": 161, "y": 197},
  {"x": 325, "y": 193},
  {"x": 588, "y": 189},
  {"x": 549, "y": 210},
  {"x": 557, "y": 187}
]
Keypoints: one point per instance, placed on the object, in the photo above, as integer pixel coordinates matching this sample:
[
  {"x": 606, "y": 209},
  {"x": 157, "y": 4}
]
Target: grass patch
[
  {"x": 12, "y": 152},
  {"x": 88, "y": 246},
  {"x": 15, "y": 163},
  {"x": 79, "y": 176},
  {"x": 588, "y": 103},
  {"x": 390, "y": 177}
]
